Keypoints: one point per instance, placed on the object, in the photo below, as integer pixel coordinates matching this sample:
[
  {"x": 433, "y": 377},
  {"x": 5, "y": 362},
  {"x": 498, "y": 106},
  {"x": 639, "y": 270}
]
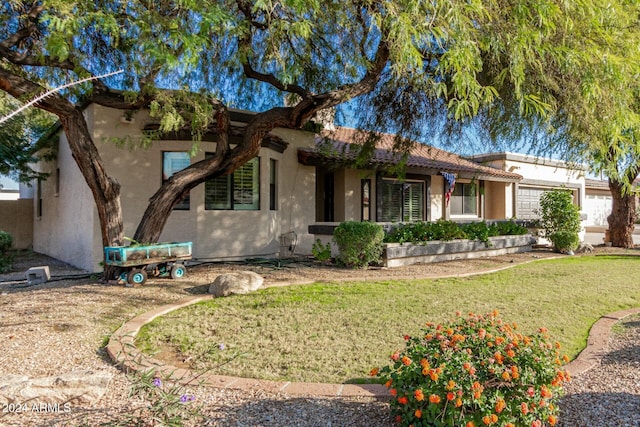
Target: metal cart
[{"x": 136, "y": 262}]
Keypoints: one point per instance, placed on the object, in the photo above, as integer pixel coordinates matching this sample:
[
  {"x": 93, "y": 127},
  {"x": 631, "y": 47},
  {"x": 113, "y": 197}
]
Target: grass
[{"x": 330, "y": 332}]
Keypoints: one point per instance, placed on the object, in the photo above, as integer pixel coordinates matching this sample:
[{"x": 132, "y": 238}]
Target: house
[{"x": 274, "y": 205}]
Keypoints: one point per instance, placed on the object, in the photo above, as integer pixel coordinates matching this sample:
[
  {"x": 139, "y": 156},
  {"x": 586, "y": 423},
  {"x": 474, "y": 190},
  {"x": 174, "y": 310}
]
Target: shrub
[
  {"x": 6, "y": 257},
  {"x": 558, "y": 216},
  {"x": 448, "y": 230},
  {"x": 359, "y": 243},
  {"x": 320, "y": 251},
  {"x": 475, "y": 371},
  {"x": 565, "y": 241}
]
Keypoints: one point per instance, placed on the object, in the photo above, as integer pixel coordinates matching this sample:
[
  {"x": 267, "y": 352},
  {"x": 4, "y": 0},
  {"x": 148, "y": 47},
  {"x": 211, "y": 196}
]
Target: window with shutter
[
  {"x": 237, "y": 191},
  {"x": 401, "y": 201}
]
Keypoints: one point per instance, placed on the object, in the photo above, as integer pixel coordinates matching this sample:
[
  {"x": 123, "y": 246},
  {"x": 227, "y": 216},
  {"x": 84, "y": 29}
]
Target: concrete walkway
[{"x": 122, "y": 351}]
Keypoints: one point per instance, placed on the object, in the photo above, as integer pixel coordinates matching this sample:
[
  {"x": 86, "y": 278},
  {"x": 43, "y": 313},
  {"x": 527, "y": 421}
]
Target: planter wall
[{"x": 397, "y": 254}]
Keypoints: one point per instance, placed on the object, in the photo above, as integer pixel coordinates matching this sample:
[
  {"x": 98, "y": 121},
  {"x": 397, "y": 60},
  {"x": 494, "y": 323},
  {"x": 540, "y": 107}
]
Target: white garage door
[
  {"x": 527, "y": 201},
  {"x": 597, "y": 207}
]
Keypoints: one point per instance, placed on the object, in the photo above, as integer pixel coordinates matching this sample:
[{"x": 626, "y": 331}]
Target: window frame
[
  {"x": 463, "y": 197},
  {"x": 185, "y": 203},
  {"x": 411, "y": 180},
  {"x": 231, "y": 189}
]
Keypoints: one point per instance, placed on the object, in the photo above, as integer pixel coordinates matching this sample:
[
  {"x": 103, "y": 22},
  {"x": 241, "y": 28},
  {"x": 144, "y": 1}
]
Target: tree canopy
[{"x": 413, "y": 64}]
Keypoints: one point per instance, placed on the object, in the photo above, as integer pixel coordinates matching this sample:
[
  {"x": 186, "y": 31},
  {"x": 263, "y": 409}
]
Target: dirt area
[{"x": 62, "y": 326}]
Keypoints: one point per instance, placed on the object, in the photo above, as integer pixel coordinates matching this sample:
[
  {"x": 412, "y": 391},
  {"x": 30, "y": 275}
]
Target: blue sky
[{"x": 7, "y": 183}]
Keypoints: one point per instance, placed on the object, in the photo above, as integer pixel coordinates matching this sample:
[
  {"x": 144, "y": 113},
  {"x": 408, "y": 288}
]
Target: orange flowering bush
[{"x": 475, "y": 371}]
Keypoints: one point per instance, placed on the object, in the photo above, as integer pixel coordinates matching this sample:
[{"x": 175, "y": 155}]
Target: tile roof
[{"x": 341, "y": 145}]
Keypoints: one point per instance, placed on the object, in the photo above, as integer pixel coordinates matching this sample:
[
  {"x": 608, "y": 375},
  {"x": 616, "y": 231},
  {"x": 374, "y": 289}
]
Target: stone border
[{"x": 122, "y": 350}]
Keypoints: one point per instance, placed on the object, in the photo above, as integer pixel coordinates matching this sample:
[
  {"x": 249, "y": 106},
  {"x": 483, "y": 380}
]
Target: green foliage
[
  {"x": 6, "y": 256},
  {"x": 169, "y": 403},
  {"x": 473, "y": 371},
  {"x": 359, "y": 243},
  {"x": 565, "y": 241},
  {"x": 320, "y": 251},
  {"x": 559, "y": 218},
  {"x": 445, "y": 230}
]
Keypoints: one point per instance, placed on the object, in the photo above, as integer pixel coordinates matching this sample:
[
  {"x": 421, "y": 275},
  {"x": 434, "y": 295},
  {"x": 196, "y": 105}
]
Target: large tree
[{"x": 209, "y": 56}]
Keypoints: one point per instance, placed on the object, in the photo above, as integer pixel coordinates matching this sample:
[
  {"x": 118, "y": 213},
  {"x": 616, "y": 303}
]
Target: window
[
  {"x": 401, "y": 201},
  {"x": 464, "y": 200},
  {"x": 237, "y": 191},
  {"x": 365, "y": 199},
  {"x": 172, "y": 162},
  {"x": 273, "y": 184}
]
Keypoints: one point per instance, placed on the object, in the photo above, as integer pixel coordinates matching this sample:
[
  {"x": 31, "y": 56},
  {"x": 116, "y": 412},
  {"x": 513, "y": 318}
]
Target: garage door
[
  {"x": 528, "y": 201},
  {"x": 597, "y": 207}
]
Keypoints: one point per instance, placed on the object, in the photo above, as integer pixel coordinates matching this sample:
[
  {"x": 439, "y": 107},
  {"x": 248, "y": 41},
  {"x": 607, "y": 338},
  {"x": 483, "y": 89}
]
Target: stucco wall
[
  {"x": 16, "y": 218},
  {"x": 66, "y": 230},
  {"x": 216, "y": 234}
]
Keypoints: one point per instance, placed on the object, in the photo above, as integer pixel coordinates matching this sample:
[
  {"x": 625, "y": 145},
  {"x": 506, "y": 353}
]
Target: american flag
[{"x": 451, "y": 185}]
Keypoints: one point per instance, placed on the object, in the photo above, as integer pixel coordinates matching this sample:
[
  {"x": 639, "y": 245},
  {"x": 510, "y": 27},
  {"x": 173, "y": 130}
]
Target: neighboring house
[
  {"x": 540, "y": 175},
  {"x": 270, "y": 206},
  {"x": 597, "y": 204}
]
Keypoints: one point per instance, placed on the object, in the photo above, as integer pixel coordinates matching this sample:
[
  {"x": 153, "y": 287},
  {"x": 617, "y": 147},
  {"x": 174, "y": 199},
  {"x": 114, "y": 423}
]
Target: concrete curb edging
[{"x": 122, "y": 351}]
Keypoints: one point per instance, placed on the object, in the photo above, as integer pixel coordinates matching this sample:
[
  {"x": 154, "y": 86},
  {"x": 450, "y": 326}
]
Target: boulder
[
  {"x": 241, "y": 282},
  {"x": 584, "y": 248},
  {"x": 80, "y": 387}
]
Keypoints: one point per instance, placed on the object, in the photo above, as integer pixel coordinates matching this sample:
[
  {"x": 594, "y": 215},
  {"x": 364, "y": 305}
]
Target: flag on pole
[{"x": 450, "y": 186}]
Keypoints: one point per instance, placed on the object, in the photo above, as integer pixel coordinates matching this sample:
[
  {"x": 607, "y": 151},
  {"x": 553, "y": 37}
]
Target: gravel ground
[{"x": 62, "y": 325}]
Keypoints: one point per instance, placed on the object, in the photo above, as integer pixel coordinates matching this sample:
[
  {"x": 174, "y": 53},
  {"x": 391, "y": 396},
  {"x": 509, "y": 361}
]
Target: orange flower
[
  {"x": 374, "y": 372},
  {"x": 499, "y": 340},
  {"x": 466, "y": 366},
  {"x": 425, "y": 371},
  {"x": 403, "y": 400},
  {"x": 458, "y": 402},
  {"x": 509, "y": 425},
  {"x": 470, "y": 424},
  {"x": 388, "y": 383},
  {"x": 552, "y": 420},
  {"x": 486, "y": 420},
  {"x": 494, "y": 418},
  {"x": 395, "y": 356},
  {"x": 500, "y": 405},
  {"x": 524, "y": 408},
  {"x": 393, "y": 392},
  {"x": 419, "y": 395},
  {"x": 406, "y": 361},
  {"x": 565, "y": 358},
  {"x": 482, "y": 333},
  {"x": 434, "y": 398},
  {"x": 424, "y": 363},
  {"x": 546, "y": 393},
  {"x": 450, "y": 396},
  {"x": 433, "y": 375},
  {"x": 418, "y": 413},
  {"x": 511, "y": 353},
  {"x": 451, "y": 385},
  {"x": 506, "y": 376}
]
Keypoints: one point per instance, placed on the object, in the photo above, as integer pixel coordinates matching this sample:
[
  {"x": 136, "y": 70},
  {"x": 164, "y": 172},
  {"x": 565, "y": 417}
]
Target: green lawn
[{"x": 337, "y": 332}]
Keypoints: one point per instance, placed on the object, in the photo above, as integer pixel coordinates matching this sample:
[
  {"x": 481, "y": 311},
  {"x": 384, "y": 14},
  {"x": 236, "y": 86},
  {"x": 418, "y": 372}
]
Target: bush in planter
[
  {"x": 475, "y": 371},
  {"x": 359, "y": 243},
  {"x": 6, "y": 257},
  {"x": 565, "y": 241},
  {"x": 559, "y": 217}
]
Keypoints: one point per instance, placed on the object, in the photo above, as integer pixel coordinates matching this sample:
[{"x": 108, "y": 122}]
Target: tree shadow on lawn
[{"x": 304, "y": 412}]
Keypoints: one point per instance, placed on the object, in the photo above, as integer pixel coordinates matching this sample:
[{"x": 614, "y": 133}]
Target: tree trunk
[
  {"x": 622, "y": 218},
  {"x": 105, "y": 190}
]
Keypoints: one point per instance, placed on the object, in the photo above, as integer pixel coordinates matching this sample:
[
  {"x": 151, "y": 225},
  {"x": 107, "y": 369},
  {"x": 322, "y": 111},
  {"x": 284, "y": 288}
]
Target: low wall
[
  {"x": 16, "y": 218},
  {"x": 399, "y": 254}
]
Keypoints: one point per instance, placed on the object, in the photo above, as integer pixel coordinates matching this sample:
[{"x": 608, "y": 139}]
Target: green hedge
[
  {"x": 6, "y": 256},
  {"x": 421, "y": 231},
  {"x": 359, "y": 243}
]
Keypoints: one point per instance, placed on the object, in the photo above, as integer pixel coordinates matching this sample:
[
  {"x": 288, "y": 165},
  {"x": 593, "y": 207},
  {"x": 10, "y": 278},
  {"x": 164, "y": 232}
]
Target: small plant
[
  {"x": 565, "y": 241},
  {"x": 475, "y": 371},
  {"x": 6, "y": 256},
  {"x": 320, "y": 251},
  {"x": 359, "y": 243},
  {"x": 559, "y": 218}
]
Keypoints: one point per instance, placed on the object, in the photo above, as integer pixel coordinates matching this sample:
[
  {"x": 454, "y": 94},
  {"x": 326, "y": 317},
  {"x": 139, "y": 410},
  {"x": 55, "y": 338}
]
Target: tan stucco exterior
[{"x": 69, "y": 228}]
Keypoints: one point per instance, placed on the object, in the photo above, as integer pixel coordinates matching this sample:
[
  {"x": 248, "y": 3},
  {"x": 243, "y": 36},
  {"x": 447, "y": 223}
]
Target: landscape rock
[
  {"x": 77, "y": 387},
  {"x": 584, "y": 248},
  {"x": 241, "y": 282}
]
